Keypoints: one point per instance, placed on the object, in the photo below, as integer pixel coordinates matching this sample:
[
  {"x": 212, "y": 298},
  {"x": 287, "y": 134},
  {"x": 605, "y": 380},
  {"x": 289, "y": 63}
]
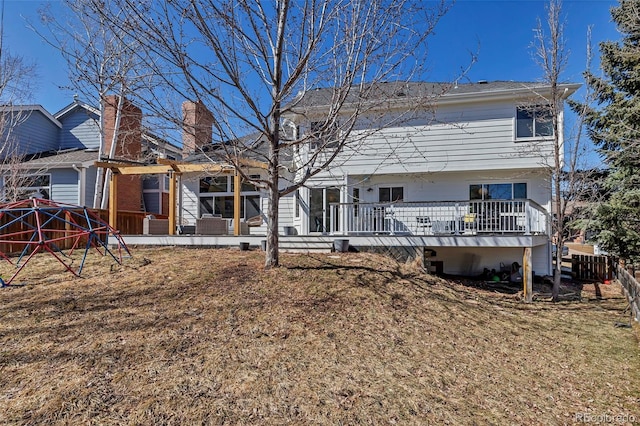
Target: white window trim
[
  {"x": 227, "y": 193},
  {"x": 391, "y": 187},
  {"x": 527, "y": 138},
  {"x": 512, "y": 183},
  {"x": 28, "y": 188}
]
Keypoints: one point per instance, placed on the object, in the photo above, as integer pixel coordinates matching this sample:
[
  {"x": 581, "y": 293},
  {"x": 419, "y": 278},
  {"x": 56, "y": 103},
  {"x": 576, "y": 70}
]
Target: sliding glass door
[{"x": 320, "y": 216}]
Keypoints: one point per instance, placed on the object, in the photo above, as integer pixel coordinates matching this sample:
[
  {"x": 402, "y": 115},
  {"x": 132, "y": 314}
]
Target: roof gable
[
  {"x": 29, "y": 109},
  {"x": 74, "y": 106}
]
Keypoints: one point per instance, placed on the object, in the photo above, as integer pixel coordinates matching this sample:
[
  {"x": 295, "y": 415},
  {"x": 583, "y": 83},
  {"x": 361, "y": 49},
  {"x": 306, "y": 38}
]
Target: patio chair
[
  {"x": 470, "y": 223},
  {"x": 152, "y": 226},
  {"x": 424, "y": 225},
  {"x": 212, "y": 226},
  {"x": 440, "y": 227}
]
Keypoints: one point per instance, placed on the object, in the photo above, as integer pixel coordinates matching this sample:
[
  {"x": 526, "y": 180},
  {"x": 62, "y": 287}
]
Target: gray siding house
[{"x": 52, "y": 155}]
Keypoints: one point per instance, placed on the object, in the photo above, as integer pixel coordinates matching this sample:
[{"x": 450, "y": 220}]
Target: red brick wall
[
  {"x": 165, "y": 203},
  {"x": 130, "y": 193}
]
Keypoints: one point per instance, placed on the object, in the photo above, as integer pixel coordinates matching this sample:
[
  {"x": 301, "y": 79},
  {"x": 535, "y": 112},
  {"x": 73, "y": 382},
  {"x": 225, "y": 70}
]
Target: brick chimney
[
  {"x": 128, "y": 147},
  {"x": 197, "y": 126}
]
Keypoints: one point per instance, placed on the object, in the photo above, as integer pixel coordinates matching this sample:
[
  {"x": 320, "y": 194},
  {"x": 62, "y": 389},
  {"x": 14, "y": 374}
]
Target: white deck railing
[{"x": 522, "y": 217}]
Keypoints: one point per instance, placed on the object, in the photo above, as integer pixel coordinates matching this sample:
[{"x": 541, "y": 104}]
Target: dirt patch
[{"x": 184, "y": 336}]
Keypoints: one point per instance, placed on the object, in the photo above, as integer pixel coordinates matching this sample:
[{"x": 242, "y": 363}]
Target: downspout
[{"x": 81, "y": 184}]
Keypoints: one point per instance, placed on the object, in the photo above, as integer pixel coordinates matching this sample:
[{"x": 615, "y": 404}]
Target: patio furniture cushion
[
  {"x": 155, "y": 226},
  {"x": 254, "y": 221},
  {"x": 212, "y": 226}
]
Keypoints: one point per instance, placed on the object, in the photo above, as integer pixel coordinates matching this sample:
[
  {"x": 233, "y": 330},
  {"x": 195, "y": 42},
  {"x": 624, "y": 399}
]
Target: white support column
[{"x": 344, "y": 198}]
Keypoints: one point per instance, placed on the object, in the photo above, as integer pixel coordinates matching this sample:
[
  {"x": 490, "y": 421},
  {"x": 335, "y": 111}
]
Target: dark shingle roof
[
  {"x": 400, "y": 90},
  {"x": 62, "y": 159}
]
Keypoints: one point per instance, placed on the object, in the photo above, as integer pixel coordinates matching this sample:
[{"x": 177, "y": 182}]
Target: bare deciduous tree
[
  {"x": 569, "y": 175},
  {"x": 104, "y": 68},
  {"x": 251, "y": 62}
]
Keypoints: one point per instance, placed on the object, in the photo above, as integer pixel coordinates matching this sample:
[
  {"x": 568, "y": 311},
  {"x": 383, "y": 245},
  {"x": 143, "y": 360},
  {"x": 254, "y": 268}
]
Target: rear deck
[{"x": 310, "y": 243}]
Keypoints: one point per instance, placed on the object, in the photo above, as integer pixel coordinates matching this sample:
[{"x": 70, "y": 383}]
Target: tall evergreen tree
[{"x": 613, "y": 124}]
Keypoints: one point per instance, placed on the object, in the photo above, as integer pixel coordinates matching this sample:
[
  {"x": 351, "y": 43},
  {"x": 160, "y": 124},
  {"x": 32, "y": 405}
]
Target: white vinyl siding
[
  {"x": 189, "y": 200},
  {"x": 286, "y": 207},
  {"x": 468, "y": 137},
  {"x": 452, "y": 186}
]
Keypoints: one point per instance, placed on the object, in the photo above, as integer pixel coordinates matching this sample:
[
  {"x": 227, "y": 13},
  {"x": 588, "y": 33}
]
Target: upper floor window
[
  {"x": 533, "y": 121},
  {"x": 214, "y": 184},
  {"x": 323, "y": 135}
]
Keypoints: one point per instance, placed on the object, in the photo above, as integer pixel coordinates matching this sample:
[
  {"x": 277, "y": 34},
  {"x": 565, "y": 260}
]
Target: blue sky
[{"x": 499, "y": 31}]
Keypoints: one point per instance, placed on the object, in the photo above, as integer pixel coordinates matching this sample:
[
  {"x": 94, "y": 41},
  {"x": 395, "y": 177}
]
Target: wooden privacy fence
[
  {"x": 631, "y": 289},
  {"x": 591, "y": 268},
  {"x": 128, "y": 223}
]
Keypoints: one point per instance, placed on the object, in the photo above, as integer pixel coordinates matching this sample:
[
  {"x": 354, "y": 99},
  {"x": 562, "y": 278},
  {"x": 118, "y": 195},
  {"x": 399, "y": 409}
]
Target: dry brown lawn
[{"x": 207, "y": 336}]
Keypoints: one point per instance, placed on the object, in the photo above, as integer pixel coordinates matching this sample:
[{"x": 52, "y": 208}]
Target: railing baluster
[{"x": 426, "y": 218}]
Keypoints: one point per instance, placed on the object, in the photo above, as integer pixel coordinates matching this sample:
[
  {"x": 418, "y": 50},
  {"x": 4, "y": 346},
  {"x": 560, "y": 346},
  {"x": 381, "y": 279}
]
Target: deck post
[
  {"x": 527, "y": 275},
  {"x": 527, "y": 217},
  {"x": 113, "y": 199},
  {"x": 237, "y": 181},
  {"x": 172, "y": 202}
]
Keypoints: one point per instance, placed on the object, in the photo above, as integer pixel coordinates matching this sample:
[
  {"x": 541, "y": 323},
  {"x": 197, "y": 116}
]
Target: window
[
  {"x": 219, "y": 200},
  {"x": 214, "y": 184},
  {"x": 206, "y": 205},
  {"x": 296, "y": 208},
  {"x": 247, "y": 186},
  {"x": 224, "y": 206},
  {"x": 390, "y": 194},
  {"x": 323, "y": 135},
  {"x": 22, "y": 187},
  {"x": 533, "y": 122},
  {"x": 150, "y": 182},
  {"x": 252, "y": 206},
  {"x": 497, "y": 191}
]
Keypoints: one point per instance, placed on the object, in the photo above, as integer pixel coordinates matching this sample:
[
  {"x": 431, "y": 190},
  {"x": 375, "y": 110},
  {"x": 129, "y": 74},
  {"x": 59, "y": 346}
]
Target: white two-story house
[
  {"x": 463, "y": 170},
  {"x": 466, "y": 174}
]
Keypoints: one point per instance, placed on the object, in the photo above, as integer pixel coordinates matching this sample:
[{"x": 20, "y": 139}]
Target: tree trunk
[
  {"x": 272, "y": 252},
  {"x": 557, "y": 277}
]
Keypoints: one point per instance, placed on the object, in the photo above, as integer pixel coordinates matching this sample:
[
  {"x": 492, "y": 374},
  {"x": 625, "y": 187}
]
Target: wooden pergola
[{"x": 175, "y": 169}]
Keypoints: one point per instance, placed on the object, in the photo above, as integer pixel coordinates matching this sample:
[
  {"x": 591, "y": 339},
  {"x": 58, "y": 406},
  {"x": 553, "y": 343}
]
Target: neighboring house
[
  {"x": 467, "y": 176},
  {"x": 52, "y": 156}
]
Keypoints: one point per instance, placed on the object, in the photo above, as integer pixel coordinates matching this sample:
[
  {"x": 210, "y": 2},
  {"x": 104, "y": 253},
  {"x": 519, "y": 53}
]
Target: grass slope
[{"x": 184, "y": 336}]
